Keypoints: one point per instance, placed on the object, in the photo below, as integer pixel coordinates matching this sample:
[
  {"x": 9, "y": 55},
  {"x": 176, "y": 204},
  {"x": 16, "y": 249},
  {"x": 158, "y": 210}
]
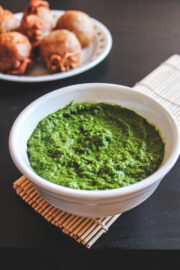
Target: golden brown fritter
[
  {"x": 15, "y": 53},
  {"x": 60, "y": 51},
  {"x": 35, "y": 28},
  {"x": 79, "y": 23},
  {"x": 8, "y": 21},
  {"x": 41, "y": 9}
]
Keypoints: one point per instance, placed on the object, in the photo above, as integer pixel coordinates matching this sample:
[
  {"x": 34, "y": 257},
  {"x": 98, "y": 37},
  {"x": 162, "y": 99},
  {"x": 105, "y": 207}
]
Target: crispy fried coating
[
  {"x": 15, "y": 53},
  {"x": 60, "y": 51},
  {"x": 79, "y": 23},
  {"x": 35, "y": 28},
  {"x": 41, "y": 9},
  {"x": 8, "y": 21}
]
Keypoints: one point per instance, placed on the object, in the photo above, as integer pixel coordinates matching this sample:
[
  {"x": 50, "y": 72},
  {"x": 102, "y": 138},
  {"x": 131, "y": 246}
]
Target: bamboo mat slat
[{"x": 163, "y": 84}]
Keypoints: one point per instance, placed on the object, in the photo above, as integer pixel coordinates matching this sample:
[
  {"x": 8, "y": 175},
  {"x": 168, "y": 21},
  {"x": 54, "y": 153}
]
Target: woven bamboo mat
[
  {"x": 84, "y": 230},
  {"x": 163, "y": 84}
]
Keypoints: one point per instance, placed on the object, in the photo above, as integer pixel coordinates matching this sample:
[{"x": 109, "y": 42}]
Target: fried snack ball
[
  {"x": 8, "y": 21},
  {"x": 35, "y": 28},
  {"x": 15, "y": 53},
  {"x": 60, "y": 51},
  {"x": 79, "y": 23},
  {"x": 42, "y": 10}
]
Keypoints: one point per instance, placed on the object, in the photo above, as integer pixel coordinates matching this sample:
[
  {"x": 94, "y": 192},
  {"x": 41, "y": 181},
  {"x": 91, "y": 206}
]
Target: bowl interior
[{"x": 96, "y": 93}]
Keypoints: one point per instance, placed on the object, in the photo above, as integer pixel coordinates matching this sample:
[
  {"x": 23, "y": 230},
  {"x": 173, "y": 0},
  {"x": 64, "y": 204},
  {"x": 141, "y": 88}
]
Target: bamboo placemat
[
  {"x": 163, "y": 84},
  {"x": 84, "y": 230}
]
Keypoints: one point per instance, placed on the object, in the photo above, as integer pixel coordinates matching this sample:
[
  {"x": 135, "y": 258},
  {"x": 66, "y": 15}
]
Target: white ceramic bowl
[{"x": 103, "y": 202}]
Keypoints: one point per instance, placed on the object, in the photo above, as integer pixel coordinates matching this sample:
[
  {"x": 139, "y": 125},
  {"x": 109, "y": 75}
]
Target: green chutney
[{"x": 95, "y": 147}]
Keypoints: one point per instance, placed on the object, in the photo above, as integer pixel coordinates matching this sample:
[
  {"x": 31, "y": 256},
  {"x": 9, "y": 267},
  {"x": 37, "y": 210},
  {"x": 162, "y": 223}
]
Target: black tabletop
[{"x": 145, "y": 33}]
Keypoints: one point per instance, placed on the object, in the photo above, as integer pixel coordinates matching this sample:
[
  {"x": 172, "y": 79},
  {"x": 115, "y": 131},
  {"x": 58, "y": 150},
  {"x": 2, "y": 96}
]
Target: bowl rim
[{"x": 92, "y": 194}]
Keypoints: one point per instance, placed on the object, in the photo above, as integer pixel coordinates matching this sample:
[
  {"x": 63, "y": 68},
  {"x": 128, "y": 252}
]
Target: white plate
[{"x": 91, "y": 56}]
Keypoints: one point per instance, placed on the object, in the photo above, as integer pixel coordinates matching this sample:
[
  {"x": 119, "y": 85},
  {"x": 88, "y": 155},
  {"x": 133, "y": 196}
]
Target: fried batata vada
[
  {"x": 35, "y": 28},
  {"x": 15, "y": 53},
  {"x": 42, "y": 10},
  {"x": 8, "y": 21},
  {"x": 79, "y": 23},
  {"x": 60, "y": 51}
]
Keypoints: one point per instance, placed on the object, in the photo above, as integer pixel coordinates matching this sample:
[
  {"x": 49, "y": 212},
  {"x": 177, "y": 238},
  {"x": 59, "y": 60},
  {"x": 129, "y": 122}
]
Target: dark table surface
[{"x": 145, "y": 33}]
